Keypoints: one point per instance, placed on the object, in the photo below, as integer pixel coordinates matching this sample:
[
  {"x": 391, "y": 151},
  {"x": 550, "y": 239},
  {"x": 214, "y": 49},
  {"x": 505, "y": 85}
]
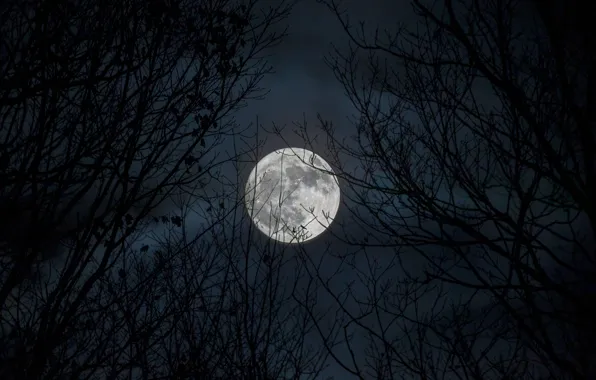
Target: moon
[{"x": 288, "y": 198}]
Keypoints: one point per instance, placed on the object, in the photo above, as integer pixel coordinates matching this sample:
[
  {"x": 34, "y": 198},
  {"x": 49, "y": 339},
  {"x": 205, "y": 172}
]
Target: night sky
[
  {"x": 355, "y": 252},
  {"x": 303, "y": 87}
]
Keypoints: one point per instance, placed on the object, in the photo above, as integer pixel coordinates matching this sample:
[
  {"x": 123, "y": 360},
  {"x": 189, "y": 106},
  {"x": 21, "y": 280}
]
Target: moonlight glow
[{"x": 288, "y": 199}]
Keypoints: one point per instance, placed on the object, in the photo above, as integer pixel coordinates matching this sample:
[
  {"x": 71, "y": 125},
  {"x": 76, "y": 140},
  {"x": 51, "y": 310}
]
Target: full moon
[{"x": 288, "y": 198}]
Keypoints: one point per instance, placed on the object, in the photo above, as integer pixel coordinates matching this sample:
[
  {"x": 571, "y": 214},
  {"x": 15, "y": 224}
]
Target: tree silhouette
[
  {"x": 473, "y": 168},
  {"x": 110, "y": 112},
  {"x": 200, "y": 309}
]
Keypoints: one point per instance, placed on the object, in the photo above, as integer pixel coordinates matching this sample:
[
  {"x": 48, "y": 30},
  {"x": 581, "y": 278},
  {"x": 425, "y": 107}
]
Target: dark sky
[
  {"x": 301, "y": 87},
  {"x": 304, "y": 86}
]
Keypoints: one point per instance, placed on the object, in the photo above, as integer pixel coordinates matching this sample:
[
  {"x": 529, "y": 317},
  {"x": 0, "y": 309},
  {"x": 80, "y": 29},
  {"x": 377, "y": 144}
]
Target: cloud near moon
[{"x": 288, "y": 198}]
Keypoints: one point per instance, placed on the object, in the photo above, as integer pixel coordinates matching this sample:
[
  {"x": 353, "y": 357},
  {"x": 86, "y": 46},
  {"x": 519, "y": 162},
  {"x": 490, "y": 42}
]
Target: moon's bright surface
[{"x": 288, "y": 199}]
